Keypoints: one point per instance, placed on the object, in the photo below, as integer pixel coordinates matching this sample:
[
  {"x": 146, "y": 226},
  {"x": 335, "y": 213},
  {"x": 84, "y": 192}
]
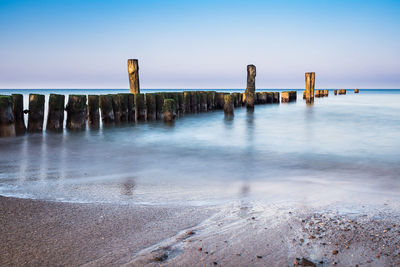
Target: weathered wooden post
[
  {"x": 270, "y": 97},
  {"x": 107, "y": 112},
  {"x": 36, "y": 113},
  {"x": 131, "y": 107},
  {"x": 310, "y": 85},
  {"x": 169, "y": 110},
  {"x": 304, "y": 94},
  {"x": 175, "y": 97},
  {"x": 116, "y": 107},
  {"x": 251, "y": 86},
  {"x": 151, "y": 106},
  {"x": 124, "y": 106},
  {"x": 159, "y": 105},
  {"x": 181, "y": 103},
  {"x": 194, "y": 99},
  {"x": 276, "y": 97},
  {"x": 317, "y": 93},
  {"x": 203, "y": 101},
  {"x": 228, "y": 105},
  {"x": 326, "y": 92},
  {"x": 285, "y": 97},
  {"x": 93, "y": 111},
  {"x": 55, "y": 115},
  {"x": 356, "y": 91},
  {"x": 76, "y": 112},
  {"x": 133, "y": 71},
  {"x": 7, "y": 126},
  {"x": 140, "y": 107},
  {"x": 18, "y": 112},
  {"x": 187, "y": 101},
  {"x": 211, "y": 100},
  {"x": 335, "y": 92}
]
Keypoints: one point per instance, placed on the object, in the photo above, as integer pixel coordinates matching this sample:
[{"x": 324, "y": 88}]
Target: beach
[{"x": 38, "y": 233}]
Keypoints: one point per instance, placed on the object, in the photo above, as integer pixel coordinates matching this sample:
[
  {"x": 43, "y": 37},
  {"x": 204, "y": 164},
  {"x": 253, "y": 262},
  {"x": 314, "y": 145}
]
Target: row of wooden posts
[{"x": 115, "y": 108}]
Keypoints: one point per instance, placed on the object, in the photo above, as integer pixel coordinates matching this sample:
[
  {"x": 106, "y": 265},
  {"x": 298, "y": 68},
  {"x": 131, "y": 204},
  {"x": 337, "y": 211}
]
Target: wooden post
[
  {"x": 36, "y": 113},
  {"x": 18, "y": 112},
  {"x": 133, "y": 71},
  {"x": 55, "y": 115},
  {"x": 356, "y": 91},
  {"x": 335, "y": 92},
  {"x": 7, "y": 126},
  {"x": 107, "y": 112},
  {"x": 116, "y": 105},
  {"x": 276, "y": 97},
  {"x": 76, "y": 112},
  {"x": 310, "y": 85},
  {"x": 187, "y": 101},
  {"x": 251, "y": 86},
  {"x": 151, "y": 106},
  {"x": 124, "y": 106},
  {"x": 285, "y": 97},
  {"x": 159, "y": 105},
  {"x": 211, "y": 100},
  {"x": 326, "y": 92},
  {"x": 194, "y": 99},
  {"x": 93, "y": 111},
  {"x": 228, "y": 105},
  {"x": 317, "y": 93},
  {"x": 140, "y": 108},
  {"x": 270, "y": 97},
  {"x": 131, "y": 107},
  {"x": 169, "y": 110},
  {"x": 203, "y": 101},
  {"x": 181, "y": 104}
]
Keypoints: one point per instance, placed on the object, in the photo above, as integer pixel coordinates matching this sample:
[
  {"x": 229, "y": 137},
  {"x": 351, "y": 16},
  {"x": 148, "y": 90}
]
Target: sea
[{"x": 343, "y": 148}]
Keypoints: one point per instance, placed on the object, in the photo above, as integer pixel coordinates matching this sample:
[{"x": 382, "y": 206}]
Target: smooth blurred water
[{"x": 342, "y": 148}]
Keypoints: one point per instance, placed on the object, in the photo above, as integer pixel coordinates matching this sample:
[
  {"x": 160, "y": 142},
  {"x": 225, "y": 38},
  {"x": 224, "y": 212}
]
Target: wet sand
[{"x": 239, "y": 234}]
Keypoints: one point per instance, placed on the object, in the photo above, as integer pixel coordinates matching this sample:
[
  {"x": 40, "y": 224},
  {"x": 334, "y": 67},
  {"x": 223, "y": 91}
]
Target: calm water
[{"x": 343, "y": 148}]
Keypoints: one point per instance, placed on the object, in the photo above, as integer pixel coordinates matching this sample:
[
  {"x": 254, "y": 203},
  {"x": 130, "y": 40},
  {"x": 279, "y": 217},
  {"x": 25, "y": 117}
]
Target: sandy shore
[{"x": 240, "y": 234}]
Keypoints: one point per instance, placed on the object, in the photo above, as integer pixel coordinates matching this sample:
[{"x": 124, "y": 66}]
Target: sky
[{"x": 199, "y": 44}]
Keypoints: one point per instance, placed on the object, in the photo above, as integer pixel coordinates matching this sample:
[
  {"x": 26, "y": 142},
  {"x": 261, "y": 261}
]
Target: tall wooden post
[
  {"x": 310, "y": 85},
  {"x": 133, "y": 71},
  {"x": 251, "y": 86}
]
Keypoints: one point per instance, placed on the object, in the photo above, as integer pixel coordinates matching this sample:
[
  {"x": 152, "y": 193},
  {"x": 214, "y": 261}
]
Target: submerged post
[
  {"x": 251, "y": 86},
  {"x": 124, "y": 106},
  {"x": 116, "y": 105},
  {"x": 169, "y": 110},
  {"x": 228, "y": 105},
  {"x": 93, "y": 110},
  {"x": 310, "y": 85},
  {"x": 140, "y": 107},
  {"x": 151, "y": 106},
  {"x": 18, "y": 112},
  {"x": 36, "y": 113},
  {"x": 133, "y": 71},
  {"x": 106, "y": 107},
  {"x": 55, "y": 115},
  {"x": 76, "y": 112},
  {"x": 7, "y": 127}
]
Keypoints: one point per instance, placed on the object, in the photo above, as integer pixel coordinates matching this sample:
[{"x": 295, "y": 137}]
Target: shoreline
[{"x": 36, "y": 232}]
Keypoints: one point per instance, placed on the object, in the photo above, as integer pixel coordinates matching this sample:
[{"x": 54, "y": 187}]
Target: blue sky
[{"x": 199, "y": 44}]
